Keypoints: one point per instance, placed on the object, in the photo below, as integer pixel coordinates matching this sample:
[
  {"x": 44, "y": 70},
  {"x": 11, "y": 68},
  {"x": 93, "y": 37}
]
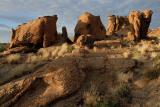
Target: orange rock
[
  {"x": 137, "y": 23},
  {"x": 41, "y": 32},
  {"x": 48, "y": 84},
  {"x": 89, "y": 24},
  {"x": 140, "y": 22},
  {"x": 115, "y": 23}
]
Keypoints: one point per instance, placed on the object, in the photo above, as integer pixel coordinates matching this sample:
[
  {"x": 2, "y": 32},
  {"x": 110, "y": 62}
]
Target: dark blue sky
[{"x": 15, "y": 12}]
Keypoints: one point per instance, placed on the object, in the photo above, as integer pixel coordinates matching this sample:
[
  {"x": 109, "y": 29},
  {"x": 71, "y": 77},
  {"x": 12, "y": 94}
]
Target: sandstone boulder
[
  {"x": 140, "y": 22},
  {"x": 85, "y": 40},
  {"x": 89, "y": 24},
  {"x": 41, "y": 32}
]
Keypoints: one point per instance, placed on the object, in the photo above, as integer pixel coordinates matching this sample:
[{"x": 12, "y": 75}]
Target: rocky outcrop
[
  {"x": 41, "y": 32},
  {"x": 49, "y": 83},
  {"x": 135, "y": 26},
  {"x": 85, "y": 40},
  {"x": 89, "y": 24},
  {"x": 140, "y": 22},
  {"x": 65, "y": 35},
  {"x": 115, "y": 23}
]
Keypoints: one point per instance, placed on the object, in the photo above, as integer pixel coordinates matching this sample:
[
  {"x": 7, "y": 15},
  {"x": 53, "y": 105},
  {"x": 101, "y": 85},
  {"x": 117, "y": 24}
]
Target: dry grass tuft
[
  {"x": 91, "y": 96},
  {"x": 13, "y": 58},
  {"x": 33, "y": 58},
  {"x": 17, "y": 71},
  {"x": 123, "y": 92},
  {"x": 125, "y": 77},
  {"x": 143, "y": 47},
  {"x": 126, "y": 54}
]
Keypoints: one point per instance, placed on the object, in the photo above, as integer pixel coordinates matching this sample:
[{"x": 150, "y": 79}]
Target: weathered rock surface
[
  {"x": 22, "y": 49},
  {"x": 89, "y": 24},
  {"x": 85, "y": 40},
  {"x": 53, "y": 81},
  {"x": 41, "y": 32},
  {"x": 115, "y": 23},
  {"x": 140, "y": 22},
  {"x": 61, "y": 79},
  {"x": 137, "y": 23}
]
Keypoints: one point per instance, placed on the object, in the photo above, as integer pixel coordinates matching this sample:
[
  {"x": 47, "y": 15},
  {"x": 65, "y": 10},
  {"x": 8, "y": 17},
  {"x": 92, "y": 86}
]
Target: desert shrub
[
  {"x": 153, "y": 55},
  {"x": 123, "y": 91},
  {"x": 125, "y": 77},
  {"x": 33, "y": 58},
  {"x": 91, "y": 96},
  {"x": 136, "y": 55},
  {"x": 152, "y": 74},
  {"x": 17, "y": 71},
  {"x": 126, "y": 43},
  {"x": 2, "y": 48},
  {"x": 126, "y": 54},
  {"x": 13, "y": 58},
  {"x": 70, "y": 48},
  {"x": 109, "y": 103},
  {"x": 156, "y": 62},
  {"x": 154, "y": 71},
  {"x": 55, "y": 51},
  {"x": 143, "y": 47}
]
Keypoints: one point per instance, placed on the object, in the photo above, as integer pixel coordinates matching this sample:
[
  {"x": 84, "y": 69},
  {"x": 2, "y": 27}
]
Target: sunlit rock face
[
  {"x": 41, "y": 32},
  {"x": 136, "y": 23},
  {"x": 116, "y": 23},
  {"x": 89, "y": 24}
]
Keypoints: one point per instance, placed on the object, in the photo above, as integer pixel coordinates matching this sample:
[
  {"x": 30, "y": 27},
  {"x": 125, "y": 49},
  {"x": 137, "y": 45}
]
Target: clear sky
[{"x": 15, "y": 12}]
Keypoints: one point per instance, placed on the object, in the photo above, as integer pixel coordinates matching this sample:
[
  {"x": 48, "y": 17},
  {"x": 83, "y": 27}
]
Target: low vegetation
[
  {"x": 2, "y": 48},
  {"x": 13, "y": 58},
  {"x": 121, "y": 83},
  {"x": 123, "y": 92},
  {"x": 16, "y": 71}
]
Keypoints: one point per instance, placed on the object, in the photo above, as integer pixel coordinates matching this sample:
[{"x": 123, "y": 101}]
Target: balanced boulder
[
  {"x": 41, "y": 32},
  {"x": 89, "y": 24}
]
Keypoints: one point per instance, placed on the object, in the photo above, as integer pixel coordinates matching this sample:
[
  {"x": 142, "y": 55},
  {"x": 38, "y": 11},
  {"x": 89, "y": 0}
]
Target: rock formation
[
  {"x": 41, "y": 32},
  {"x": 140, "y": 22},
  {"x": 85, "y": 40},
  {"x": 65, "y": 35},
  {"x": 137, "y": 22},
  {"x": 115, "y": 23},
  {"x": 49, "y": 83},
  {"x": 89, "y": 24}
]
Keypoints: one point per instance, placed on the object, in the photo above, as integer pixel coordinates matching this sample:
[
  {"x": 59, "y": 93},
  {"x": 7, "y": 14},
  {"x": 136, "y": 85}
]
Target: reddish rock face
[
  {"x": 41, "y": 32},
  {"x": 89, "y": 24},
  {"x": 137, "y": 24},
  {"x": 115, "y": 23},
  {"x": 140, "y": 22}
]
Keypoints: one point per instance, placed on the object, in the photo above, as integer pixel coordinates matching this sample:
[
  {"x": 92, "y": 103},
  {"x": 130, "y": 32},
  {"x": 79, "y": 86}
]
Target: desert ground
[{"x": 113, "y": 72}]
